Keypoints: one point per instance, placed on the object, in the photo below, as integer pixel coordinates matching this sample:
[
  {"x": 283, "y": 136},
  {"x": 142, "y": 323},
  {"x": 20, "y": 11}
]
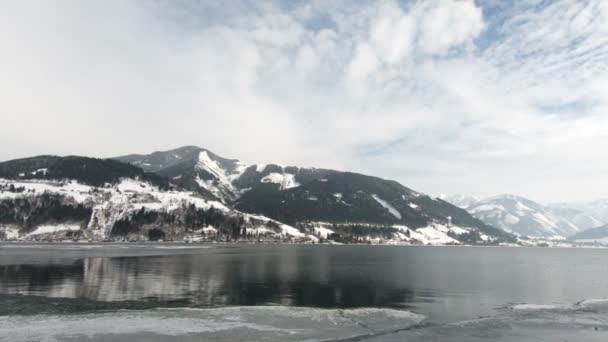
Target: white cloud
[
  {"x": 444, "y": 96},
  {"x": 364, "y": 63},
  {"x": 392, "y": 35},
  {"x": 448, "y": 23}
]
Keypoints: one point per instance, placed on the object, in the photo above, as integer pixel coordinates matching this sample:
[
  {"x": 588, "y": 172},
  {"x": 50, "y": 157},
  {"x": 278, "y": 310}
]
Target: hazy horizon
[{"x": 474, "y": 97}]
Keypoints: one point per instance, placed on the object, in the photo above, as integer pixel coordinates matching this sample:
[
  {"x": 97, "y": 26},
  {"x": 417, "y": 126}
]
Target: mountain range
[
  {"x": 524, "y": 217},
  {"x": 193, "y": 193},
  {"x": 599, "y": 234}
]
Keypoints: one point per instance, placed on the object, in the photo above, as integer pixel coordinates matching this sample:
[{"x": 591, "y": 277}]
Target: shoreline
[{"x": 236, "y": 243}]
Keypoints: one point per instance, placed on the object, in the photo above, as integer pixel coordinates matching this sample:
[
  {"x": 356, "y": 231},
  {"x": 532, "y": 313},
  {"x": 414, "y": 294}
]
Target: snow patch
[
  {"x": 50, "y": 229},
  {"x": 387, "y": 206},
  {"x": 285, "y": 180},
  {"x": 260, "y": 168}
]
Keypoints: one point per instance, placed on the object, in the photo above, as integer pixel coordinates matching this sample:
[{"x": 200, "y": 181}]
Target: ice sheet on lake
[
  {"x": 222, "y": 324},
  {"x": 583, "y": 321}
]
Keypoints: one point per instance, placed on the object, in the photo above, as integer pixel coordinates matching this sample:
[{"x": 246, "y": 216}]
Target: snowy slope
[
  {"x": 218, "y": 179},
  {"x": 589, "y": 215},
  {"x": 117, "y": 202},
  {"x": 201, "y": 170},
  {"x": 389, "y": 207},
  {"x": 523, "y": 217}
]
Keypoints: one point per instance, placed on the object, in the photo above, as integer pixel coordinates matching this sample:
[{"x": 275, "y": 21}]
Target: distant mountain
[
  {"x": 521, "y": 216},
  {"x": 597, "y": 210},
  {"x": 525, "y": 217},
  {"x": 583, "y": 219},
  {"x": 599, "y": 234},
  {"x": 460, "y": 200}
]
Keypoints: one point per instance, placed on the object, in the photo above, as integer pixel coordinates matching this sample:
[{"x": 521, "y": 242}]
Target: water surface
[{"x": 445, "y": 284}]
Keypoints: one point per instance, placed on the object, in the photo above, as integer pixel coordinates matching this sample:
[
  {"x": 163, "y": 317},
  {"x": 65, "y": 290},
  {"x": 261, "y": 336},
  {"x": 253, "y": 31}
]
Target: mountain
[
  {"x": 523, "y": 217},
  {"x": 460, "y": 200},
  {"x": 583, "y": 219},
  {"x": 309, "y": 196},
  {"x": 192, "y": 168},
  {"x": 595, "y": 213},
  {"x": 599, "y": 234},
  {"x": 190, "y": 193},
  {"x": 91, "y": 171},
  {"x": 75, "y": 198}
]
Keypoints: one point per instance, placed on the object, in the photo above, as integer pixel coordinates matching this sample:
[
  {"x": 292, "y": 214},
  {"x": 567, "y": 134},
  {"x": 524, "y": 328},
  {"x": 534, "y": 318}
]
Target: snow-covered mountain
[
  {"x": 131, "y": 209},
  {"x": 193, "y": 168},
  {"x": 460, "y": 200},
  {"x": 582, "y": 218},
  {"x": 592, "y": 214},
  {"x": 595, "y": 235},
  {"x": 201, "y": 170},
  {"x": 522, "y": 216},
  {"x": 297, "y": 195},
  {"x": 192, "y": 193},
  {"x": 525, "y": 217}
]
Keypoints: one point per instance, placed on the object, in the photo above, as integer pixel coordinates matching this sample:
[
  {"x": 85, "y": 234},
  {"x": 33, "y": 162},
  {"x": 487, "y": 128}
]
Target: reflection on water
[
  {"x": 211, "y": 279},
  {"x": 444, "y": 283}
]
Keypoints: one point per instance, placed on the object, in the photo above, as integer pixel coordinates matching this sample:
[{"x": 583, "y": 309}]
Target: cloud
[
  {"x": 445, "y": 96},
  {"x": 449, "y": 23}
]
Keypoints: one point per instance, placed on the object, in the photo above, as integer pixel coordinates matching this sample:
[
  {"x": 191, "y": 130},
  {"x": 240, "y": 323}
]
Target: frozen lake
[{"x": 158, "y": 292}]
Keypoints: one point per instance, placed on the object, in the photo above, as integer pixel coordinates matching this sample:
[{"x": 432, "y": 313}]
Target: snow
[
  {"x": 511, "y": 219},
  {"x": 221, "y": 184},
  {"x": 413, "y": 206},
  {"x": 543, "y": 220},
  {"x": 522, "y": 207},
  {"x": 238, "y": 171},
  {"x": 11, "y": 233},
  {"x": 285, "y": 180},
  {"x": 209, "y": 230},
  {"x": 285, "y": 229},
  {"x": 50, "y": 229},
  {"x": 432, "y": 235},
  {"x": 338, "y": 195},
  {"x": 458, "y": 230},
  {"x": 109, "y": 204},
  {"x": 487, "y": 207},
  {"x": 323, "y": 232},
  {"x": 210, "y": 165},
  {"x": 291, "y": 231},
  {"x": 76, "y": 191},
  {"x": 387, "y": 206},
  {"x": 260, "y": 168},
  {"x": 261, "y": 231}
]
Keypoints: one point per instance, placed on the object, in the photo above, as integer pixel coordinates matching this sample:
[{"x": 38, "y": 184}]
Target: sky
[{"x": 446, "y": 96}]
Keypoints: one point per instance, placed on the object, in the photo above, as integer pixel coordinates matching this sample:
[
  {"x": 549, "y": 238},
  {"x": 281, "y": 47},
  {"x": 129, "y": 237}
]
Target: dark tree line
[{"x": 188, "y": 218}]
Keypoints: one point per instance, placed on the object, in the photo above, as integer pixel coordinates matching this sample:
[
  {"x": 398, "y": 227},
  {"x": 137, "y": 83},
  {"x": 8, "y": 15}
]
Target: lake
[{"x": 157, "y": 292}]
